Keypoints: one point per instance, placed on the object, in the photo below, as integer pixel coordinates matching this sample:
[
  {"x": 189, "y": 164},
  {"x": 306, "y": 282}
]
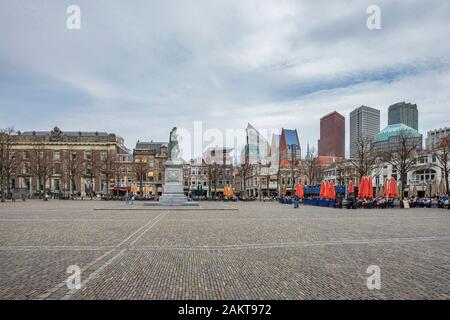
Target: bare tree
[
  {"x": 402, "y": 155},
  {"x": 441, "y": 152},
  {"x": 340, "y": 173},
  {"x": 213, "y": 176},
  {"x": 365, "y": 159},
  {"x": 71, "y": 169},
  {"x": 141, "y": 168},
  {"x": 7, "y": 161},
  {"x": 42, "y": 166},
  {"x": 108, "y": 165},
  {"x": 311, "y": 167},
  {"x": 92, "y": 169},
  {"x": 246, "y": 173}
]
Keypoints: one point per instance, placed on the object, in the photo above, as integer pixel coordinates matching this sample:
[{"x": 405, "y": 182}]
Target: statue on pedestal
[
  {"x": 173, "y": 193},
  {"x": 174, "y": 149}
]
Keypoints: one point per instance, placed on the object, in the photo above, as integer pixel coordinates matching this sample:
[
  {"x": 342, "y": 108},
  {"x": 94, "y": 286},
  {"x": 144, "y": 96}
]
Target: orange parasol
[
  {"x": 393, "y": 192},
  {"x": 332, "y": 191},
  {"x": 361, "y": 188},
  {"x": 322, "y": 186},
  {"x": 351, "y": 187},
  {"x": 325, "y": 190},
  {"x": 370, "y": 188},
  {"x": 299, "y": 190},
  {"x": 386, "y": 188}
]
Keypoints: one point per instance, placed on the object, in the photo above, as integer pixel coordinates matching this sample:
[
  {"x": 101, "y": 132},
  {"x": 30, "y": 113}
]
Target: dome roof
[{"x": 394, "y": 130}]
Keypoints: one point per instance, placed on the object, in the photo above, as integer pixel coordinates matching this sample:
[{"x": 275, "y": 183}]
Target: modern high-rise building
[
  {"x": 332, "y": 135},
  {"x": 364, "y": 123},
  {"x": 289, "y": 148},
  {"x": 257, "y": 148},
  {"x": 405, "y": 113}
]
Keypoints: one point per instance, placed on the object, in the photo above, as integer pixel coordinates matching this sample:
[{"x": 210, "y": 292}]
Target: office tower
[
  {"x": 405, "y": 113},
  {"x": 364, "y": 123},
  {"x": 332, "y": 135}
]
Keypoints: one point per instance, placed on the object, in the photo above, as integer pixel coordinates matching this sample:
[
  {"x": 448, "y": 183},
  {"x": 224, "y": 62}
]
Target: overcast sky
[{"x": 138, "y": 68}]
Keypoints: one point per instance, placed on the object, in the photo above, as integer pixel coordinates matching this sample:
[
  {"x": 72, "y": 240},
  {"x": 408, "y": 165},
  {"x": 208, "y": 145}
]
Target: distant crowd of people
[{"x": 353, "y": 202}]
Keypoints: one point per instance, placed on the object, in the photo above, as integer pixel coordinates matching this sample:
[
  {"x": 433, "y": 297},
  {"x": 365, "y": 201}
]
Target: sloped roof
[
  {"x": 394, "y": 130},
  {"x": 65, "y": 133},
  {"x": 150, "y": 146}
]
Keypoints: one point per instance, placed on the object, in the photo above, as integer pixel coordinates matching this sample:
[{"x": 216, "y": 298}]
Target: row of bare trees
[
  {"x": 401, "y": 156},
  {"x": 7, "y": 167},
  {"x": 39, "y": 162},
  {"x": 441, "y": 152}
]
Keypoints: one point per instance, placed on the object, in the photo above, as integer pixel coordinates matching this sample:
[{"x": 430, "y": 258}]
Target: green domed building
[{"x": 388, "y": 138}]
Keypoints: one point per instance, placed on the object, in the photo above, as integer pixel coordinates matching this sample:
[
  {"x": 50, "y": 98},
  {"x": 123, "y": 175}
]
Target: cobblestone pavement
[{"x": 260, "y": 251}]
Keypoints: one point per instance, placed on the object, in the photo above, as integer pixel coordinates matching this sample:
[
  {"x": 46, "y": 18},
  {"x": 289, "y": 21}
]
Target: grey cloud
[{"x": 144, "y": 66}]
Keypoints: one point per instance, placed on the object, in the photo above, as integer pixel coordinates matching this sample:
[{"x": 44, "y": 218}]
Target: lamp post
[{"x": 258, "y": 178}]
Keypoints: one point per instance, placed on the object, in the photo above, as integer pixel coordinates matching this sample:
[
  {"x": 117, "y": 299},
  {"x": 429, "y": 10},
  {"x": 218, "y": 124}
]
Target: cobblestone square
[{"x": 259, "y": 251}]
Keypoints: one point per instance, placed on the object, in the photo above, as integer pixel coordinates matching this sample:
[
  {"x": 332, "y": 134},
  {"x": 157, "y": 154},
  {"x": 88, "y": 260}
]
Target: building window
[
  {"x": 73, "y": 155},
  {"x": 56, "y": 185},
  {"x": 56, "y": 155},
  {"x": 25, "y": 155},
  {"x": 103, "y": 156},
  {"x": 57, "y": 168},
  {"x": 25, "y": 168},
  {"x": 88, "y": 155}
]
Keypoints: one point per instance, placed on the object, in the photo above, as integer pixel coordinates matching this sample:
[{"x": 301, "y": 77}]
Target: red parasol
[
  {"x": 386, "y": 188},
  {"x": 332, "y": 191},
  {"x": 325, "y": 190},
  {"x": 299, "y": 190},
  {"x": 393, "y": 192},
  {"x": 370, "y": 188},
  {"x": 361, "y": 189},
  {"x": 351, "y": 187},
  {"x": 302, "y": 192}
]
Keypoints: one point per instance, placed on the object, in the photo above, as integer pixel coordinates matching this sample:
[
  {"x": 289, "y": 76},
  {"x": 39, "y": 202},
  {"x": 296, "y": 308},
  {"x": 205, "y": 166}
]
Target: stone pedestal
[{"x": 173, "y": 194}]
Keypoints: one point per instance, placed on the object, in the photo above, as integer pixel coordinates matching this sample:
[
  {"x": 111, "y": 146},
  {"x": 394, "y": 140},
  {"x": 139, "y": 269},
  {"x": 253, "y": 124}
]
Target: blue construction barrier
[
  {"x": 319, "y": 203},
  {"x": 315, "y": 190}
]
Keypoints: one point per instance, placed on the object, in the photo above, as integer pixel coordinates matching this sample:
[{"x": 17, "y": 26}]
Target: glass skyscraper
[{"x": 405, "y": 113}]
